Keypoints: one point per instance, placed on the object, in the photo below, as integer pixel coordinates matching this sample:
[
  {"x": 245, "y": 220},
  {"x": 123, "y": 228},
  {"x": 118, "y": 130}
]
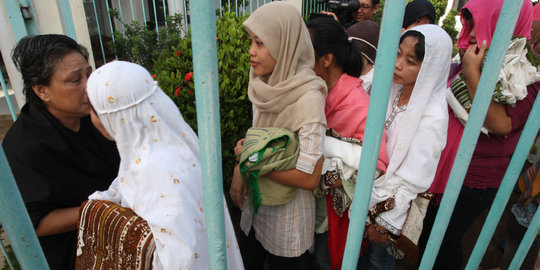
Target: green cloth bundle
[{"x": 266, "y": 150}]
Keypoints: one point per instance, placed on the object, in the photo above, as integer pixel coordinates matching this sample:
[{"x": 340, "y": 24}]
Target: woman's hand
[
  {"x": 337, "y": 184},
  {"x": 374, "y": 235},
  {"x": 238, "y": 148},
  {"x": 497, "y": 121},
  {"x": 238, "y": 191},
  {"x": 472, "y": 66}
]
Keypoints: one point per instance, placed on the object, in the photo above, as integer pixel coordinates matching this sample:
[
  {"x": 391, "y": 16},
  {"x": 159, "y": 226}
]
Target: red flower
[
  {"x": 190, "y": 92},
  {"x": 177, "y": 52},
  {"x": 153, "y": 76},
  {"x": 188, "y": 76},
  {"x": 177, "y": 91},
  {"x": 217, "y": 38},
  {"x": 188, "y": 83}
]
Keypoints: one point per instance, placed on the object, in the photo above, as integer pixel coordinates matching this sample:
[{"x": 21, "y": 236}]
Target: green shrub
[
  {"x": 140, "y": 44},
  {"x": 449, "y": 25},
  {"x": 173, "y": 69}
]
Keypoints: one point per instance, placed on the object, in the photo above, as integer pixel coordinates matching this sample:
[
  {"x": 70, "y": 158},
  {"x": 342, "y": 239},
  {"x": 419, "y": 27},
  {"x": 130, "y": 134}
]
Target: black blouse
[{"x": 55, "y": 167}]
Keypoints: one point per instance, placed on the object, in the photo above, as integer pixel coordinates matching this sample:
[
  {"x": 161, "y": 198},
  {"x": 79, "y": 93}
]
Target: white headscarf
[
  {"x": 160, "y": 175},
  {"x": 416, "y": 143}
]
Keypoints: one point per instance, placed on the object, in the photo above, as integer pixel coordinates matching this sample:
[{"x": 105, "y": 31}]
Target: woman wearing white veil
[
  {"x": 416, "y": 128},
  {"x": 160, "y": 176}
]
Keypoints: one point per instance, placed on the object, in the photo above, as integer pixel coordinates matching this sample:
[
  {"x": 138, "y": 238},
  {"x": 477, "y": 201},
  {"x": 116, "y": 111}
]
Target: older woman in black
[{"x": 57, "y": 157}]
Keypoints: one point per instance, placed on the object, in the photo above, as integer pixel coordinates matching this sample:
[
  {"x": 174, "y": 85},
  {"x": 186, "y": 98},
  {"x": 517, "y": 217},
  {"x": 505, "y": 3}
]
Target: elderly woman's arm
[{"x": 58, "y": 221}]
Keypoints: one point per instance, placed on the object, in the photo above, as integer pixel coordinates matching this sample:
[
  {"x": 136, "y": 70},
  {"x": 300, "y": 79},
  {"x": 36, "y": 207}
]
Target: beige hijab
[{"x": 292, "y": 95}]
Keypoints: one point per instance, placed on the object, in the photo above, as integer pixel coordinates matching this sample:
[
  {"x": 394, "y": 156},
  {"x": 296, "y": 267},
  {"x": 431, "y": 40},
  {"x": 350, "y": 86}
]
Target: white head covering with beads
[{"x": 160, "y": 175}]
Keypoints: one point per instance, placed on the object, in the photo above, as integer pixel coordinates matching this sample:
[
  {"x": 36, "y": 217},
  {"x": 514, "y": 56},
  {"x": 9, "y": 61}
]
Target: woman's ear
[
  {"x": 42, "y": 92},
  {"x": 327, "y": 59}
]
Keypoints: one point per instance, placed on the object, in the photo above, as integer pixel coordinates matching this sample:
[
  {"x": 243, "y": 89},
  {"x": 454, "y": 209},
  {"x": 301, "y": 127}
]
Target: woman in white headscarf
[
  {"x": 416, "y": 125},
  {"x": 160, "y": 175}
]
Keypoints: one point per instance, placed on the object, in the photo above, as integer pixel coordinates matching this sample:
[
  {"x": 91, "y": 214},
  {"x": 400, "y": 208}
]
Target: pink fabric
[
  {"x": 485, "y": 14},
  {"x": 346, "y": 111},
  {"x": 492, "y": 154},
  {"x": 536, "y": 13}
]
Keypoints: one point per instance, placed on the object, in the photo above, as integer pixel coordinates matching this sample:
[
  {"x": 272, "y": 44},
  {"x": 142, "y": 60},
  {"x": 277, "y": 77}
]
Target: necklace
[{"x": 395, "y": 110}]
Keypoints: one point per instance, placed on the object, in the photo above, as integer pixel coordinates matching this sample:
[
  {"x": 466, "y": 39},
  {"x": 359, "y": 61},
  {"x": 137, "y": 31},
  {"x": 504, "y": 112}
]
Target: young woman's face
[
  {"x": 407, "y": 63},
  {"x": 472, "y": 35},
  {"x": 261, "y": 61}
]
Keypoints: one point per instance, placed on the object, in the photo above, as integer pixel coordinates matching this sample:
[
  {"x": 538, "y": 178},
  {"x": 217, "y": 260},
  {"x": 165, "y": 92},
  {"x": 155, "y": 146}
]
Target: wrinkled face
[
  {"x": 365, "y": 12},
  {"x": 407, "y": 64},
  {"x": 65, "y": 96},
  {"x": 99, "y": 126},
  {"x": 261, "y": 61}
]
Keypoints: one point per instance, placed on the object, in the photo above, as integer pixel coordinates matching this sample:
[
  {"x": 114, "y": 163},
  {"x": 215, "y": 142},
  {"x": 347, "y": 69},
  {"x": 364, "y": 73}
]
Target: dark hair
[
  {"x": 328, "y": 36},
  {"x": 374, "y": 2},
  {"x": 419, "y": 47},
  {"x": 36, "y": 58}
]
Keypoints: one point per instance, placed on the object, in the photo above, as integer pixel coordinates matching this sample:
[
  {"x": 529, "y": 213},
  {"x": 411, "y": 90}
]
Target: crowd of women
[{"x": 112, "y": 139}]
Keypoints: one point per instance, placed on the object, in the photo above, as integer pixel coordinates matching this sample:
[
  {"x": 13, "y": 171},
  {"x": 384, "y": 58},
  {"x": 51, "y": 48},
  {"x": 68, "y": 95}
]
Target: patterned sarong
[{"x": 113, "y": 237}]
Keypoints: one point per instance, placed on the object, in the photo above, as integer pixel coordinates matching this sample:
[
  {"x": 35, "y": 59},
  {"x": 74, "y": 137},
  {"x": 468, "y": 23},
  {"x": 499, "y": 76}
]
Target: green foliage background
[{"x": 170, "y": 60}]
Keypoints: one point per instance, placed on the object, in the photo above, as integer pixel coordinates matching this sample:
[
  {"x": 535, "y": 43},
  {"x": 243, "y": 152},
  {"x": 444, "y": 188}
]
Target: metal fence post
[
  {"x": 207, "y": 96},
  {"x": 382, "y": 82},
  {"x": 16, "y": 222}
]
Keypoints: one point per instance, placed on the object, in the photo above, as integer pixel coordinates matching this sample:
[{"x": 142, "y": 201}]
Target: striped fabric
[
  {"x": 311, "y": 145},
  {"x": 113, "y": 237},
  {"x": 459, "y": 89},
  {"x": 529, "y": 184}
]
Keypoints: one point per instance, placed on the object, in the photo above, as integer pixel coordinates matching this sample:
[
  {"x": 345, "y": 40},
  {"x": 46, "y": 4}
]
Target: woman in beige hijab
[{"x": 285, "y": 93}]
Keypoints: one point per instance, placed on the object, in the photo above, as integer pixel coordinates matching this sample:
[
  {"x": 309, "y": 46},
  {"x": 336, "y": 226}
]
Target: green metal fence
[{"x": 201, "y": 17}]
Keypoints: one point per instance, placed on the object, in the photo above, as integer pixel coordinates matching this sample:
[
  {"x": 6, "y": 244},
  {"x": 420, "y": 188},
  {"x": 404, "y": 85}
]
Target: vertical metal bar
[
  {"x": 507, "y": 185},
  {"x": 8, "y": 99},
  {"x": 528, "y": 238},
  {"x": 185, "y": 16},
  {"x": 99, "y": 33},
  {"x": 229, "y": 3},
  {"x": 143, "y": 12},
  {"x": 132, "y": 11},
  {"x": 155, "y": 19},
  {"x": 164, "y": 12},
  {"x": 17, "y": 22},
  {"x": 111, "y": 26},
  {"x": 207, "y": 96},
  {"x": 382, "y": 82},
  {"x": 68, "y": 19},
  {"x": 6, "y": 256},
  {"x": 121, "y": 14},
  {"x": 16, "y": 222},
  {"x": 220, "y": 8},
  {"x": 503, "y": 32},
  {"x": 251, "y": 6}
]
